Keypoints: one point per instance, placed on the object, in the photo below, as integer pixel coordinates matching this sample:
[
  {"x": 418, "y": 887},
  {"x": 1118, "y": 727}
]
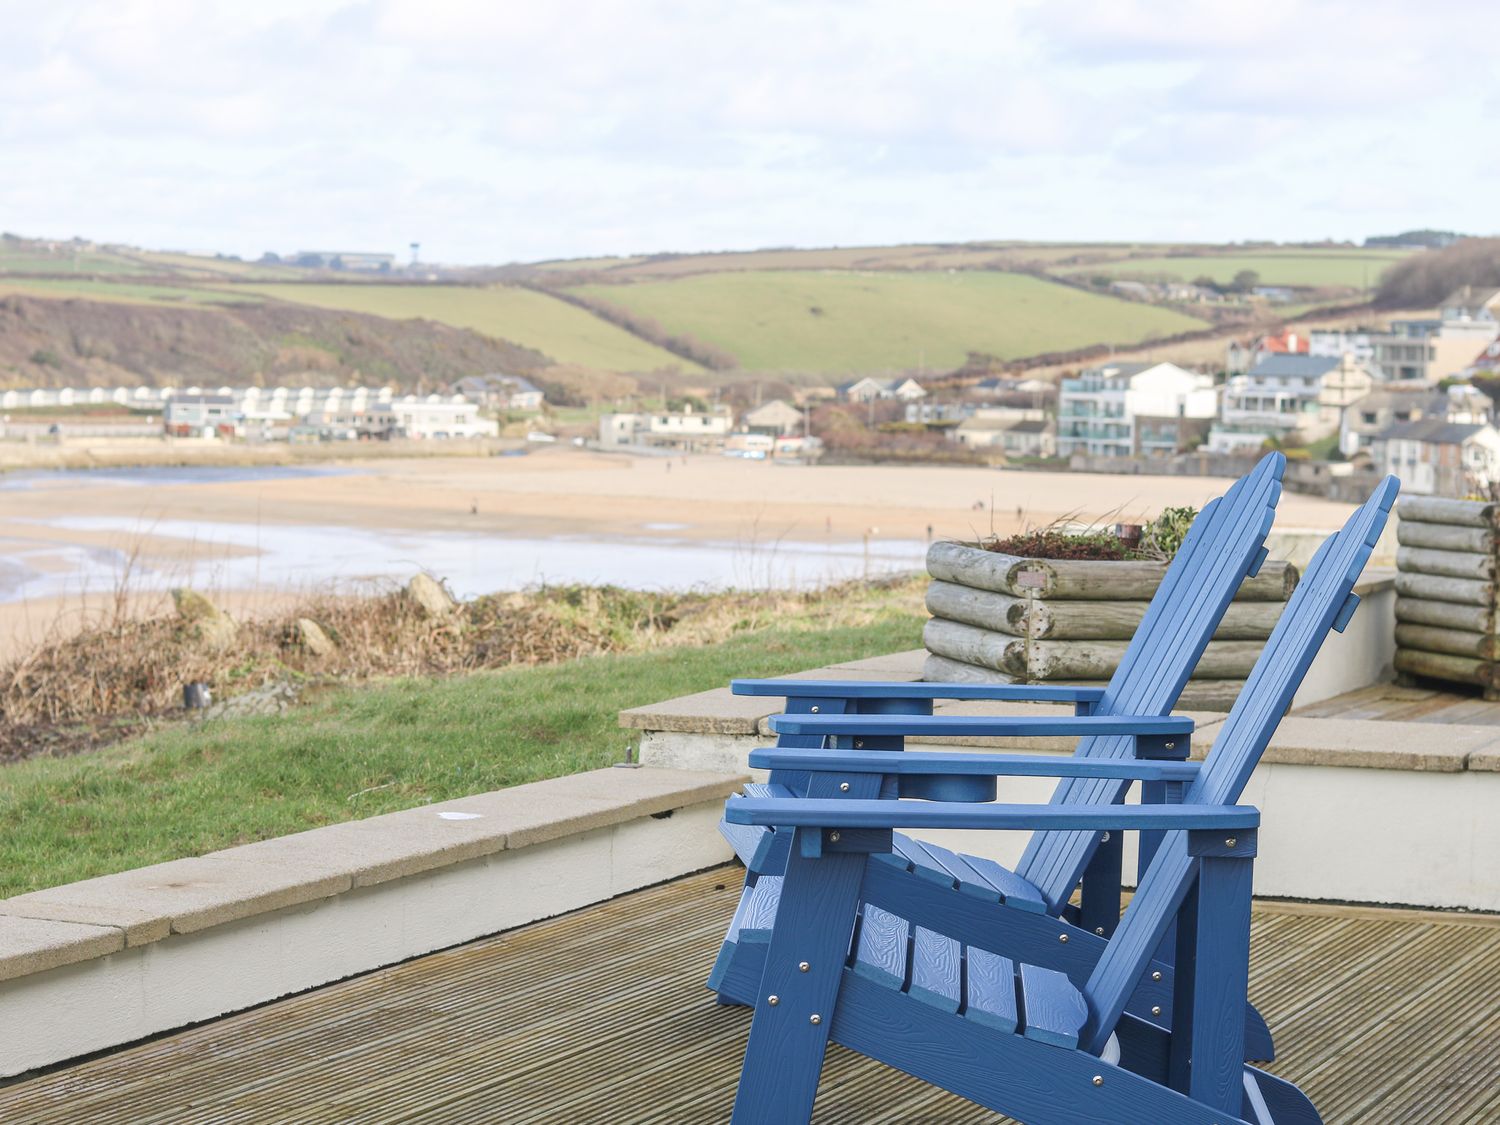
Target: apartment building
[{"x": 1133, "y": 409}]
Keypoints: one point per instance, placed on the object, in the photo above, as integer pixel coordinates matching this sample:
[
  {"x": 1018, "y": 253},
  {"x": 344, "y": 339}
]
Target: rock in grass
[
  {"x": 428, "y": 595},
  {"x": 205, "y": 620},
  {"x": 309, "y": 635},
  {"x": 272, "y": 699}
]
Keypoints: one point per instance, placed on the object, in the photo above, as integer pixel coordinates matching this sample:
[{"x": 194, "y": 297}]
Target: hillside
[
  {"x": 565, "y": 333},
  {"x": 609, "y": 325},
  {"x": 60, "y": 342},
  {"x": 840, "y": 322}
]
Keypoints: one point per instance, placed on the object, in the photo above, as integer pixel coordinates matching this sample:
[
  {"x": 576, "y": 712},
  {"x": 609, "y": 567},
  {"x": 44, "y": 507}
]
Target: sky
[{"x": 502, "y": 130}]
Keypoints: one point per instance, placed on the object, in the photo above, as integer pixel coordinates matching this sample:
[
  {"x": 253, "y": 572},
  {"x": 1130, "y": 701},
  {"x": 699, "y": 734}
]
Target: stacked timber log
[
  {"x": 1445, "y": 591},
  {"x": 1006, "y": 619}
]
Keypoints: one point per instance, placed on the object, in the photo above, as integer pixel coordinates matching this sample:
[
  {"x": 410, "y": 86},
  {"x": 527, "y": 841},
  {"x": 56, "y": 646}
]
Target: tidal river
[{"x": 87, "y": 532}]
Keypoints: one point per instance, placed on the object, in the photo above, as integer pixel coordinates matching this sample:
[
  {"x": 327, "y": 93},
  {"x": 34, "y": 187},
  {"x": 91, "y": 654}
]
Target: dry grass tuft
[{"x": 124, "y": 674}]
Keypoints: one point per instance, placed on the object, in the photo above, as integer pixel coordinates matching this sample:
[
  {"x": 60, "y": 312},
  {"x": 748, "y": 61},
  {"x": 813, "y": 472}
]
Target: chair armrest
[
  {"x": 983, "y": 725},
  {"x": 924, "y": 763},
  {"x": 873, "y": 689},
  {"x": 805, "y": 812}
]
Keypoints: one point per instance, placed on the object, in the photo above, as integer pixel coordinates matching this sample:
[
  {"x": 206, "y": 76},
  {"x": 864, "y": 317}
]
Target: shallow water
[
  {"x": 293, "y": 556},
  {"x": 241, "y": 556}
]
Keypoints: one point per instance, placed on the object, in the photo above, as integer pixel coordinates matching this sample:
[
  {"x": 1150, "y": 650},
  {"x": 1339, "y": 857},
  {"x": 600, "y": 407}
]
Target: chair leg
[
  {"x": 799, "y": 987},
  {"x": 1099, "y": 908},
  {"x": 1207, "y": 1051}
]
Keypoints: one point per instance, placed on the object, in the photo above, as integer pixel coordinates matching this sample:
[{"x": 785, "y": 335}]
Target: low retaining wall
[
  {"x": 1362, "y": 811},
  {"x": 110, "y": 960}
]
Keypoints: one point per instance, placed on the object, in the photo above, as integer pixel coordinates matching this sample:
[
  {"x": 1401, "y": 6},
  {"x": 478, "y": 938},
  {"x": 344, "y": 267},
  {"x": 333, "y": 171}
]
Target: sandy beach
[{"x": 563, "y": 494}]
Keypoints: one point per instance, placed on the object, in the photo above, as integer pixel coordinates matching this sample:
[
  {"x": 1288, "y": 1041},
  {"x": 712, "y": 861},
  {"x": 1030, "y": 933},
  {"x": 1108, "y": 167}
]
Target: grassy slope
[
  {"x": 356, "y": 753},
  {"x": 522, "y": 316},
  {"x": 1352, "y": 268},
  {"x": 129, "y": 292},
  {"x": 883, "y": 321}
]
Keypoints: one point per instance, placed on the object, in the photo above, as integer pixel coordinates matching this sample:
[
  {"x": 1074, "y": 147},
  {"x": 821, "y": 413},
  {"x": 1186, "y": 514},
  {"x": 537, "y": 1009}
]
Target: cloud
[{"x": 499, "y": 131}]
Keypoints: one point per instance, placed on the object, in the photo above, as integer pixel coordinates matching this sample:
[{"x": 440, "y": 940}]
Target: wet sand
[{"x": 572, "y": 493}]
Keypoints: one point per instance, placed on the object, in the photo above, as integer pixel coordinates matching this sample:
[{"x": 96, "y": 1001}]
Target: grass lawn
[
  {"x": 357, "y": 752},
  {"x": 835, "y": 322},
  {"x": 523, "y": 316},
  {"x": 1354, "y": 269}
]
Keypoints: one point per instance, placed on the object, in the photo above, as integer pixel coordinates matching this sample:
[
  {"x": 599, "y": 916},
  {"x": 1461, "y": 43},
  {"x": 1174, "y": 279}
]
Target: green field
[
  {"x": 360, "y": 752},
  {"x": 837, "y": 322},
  {"x": 523, "y": 316},
  {"x": 23, "y": 261},
  {"x": 1352, "y": 269},
  {"x": 127, "y": 291}
]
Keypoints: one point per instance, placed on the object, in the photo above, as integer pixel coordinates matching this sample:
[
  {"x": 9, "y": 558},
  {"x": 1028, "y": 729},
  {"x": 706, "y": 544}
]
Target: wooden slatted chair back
[
  {"x": 1223, "y": 547},
  {"x": 1323, "y": 601}
]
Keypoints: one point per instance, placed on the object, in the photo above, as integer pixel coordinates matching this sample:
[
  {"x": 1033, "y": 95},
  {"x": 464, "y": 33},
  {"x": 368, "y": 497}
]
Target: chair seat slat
[
  {"x": 1054, "y": 1008},
  {"x": 936, "y": 969},
  {"x": 880, "y": 949},
  {"x": 990, "y": 989}
]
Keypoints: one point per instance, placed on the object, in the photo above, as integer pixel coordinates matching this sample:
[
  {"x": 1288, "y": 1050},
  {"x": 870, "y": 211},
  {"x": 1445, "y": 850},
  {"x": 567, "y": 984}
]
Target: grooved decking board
[
  {"x": 1392, "y": 703},
  {"x": 602, "y": 1016}
]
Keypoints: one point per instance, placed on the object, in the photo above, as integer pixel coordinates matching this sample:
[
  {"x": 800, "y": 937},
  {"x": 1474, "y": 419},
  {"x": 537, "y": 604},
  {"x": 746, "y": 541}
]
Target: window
[{"x": 1367, "y": 417}]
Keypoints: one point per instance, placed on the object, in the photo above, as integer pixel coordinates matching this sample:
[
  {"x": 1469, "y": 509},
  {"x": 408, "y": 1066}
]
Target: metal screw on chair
[
  {"x": 833, "y": 837},
  {"x": 815, "y": 709},
  {"x": 1171, "y": 746},
  {"x": 773, "y": 1000},
  {"x": 1156, "y": 975},
  {"x": 803, "y": 966},
  {"x": 815, "y": 1019},
  {"x": 1098, "y": 1080},
  {"x": 1156, "y": 1009},
  {"x": 859, "y": 743},
  {"x": 1099, "y": 930},
  {"x": 843, "y": 787},
  {"x": 1063, "y": 938},
  {"x": 1229, "y": 842}
]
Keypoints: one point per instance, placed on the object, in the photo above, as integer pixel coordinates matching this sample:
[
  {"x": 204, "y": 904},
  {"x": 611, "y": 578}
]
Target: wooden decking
[
  {"x": 1391, "y": 703},
  {"x": 602, "y": 1016}
]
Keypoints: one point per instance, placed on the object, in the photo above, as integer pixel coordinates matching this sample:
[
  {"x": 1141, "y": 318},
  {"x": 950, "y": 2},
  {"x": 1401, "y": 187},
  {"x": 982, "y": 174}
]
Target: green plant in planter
[{"x": 1160, "y": 540}]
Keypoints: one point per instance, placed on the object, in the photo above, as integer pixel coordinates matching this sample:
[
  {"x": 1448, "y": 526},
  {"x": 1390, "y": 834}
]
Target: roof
[
  {"x": 1433, "y": 431},
  {"x": 1036, "y": 426},
  {"x": 1472, "y": 297},
  {"x": 1287, "y": 342},
  {"x": 1297, "y": 365},
  {"x": 513, "y": 384},
  {"x": 773, "y": 411},
  {"x": 1422, "y": 398}
]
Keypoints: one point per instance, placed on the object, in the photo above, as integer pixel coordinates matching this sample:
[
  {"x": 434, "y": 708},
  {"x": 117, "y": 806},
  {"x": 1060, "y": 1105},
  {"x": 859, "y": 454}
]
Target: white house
[
  {"x": 1018, "y": 432},
  {"x": 1285, "y": 394},
  {"x": 1130, "y": 409},
  {"x": 686, "y": 430},
  {"x": 863, "y": 390},
  {"x": 1437, "y": 457},
  {"x": 501, "y": 391},
  {"x": 201, "y": 415},
  {"x": 440, "y": 416}
]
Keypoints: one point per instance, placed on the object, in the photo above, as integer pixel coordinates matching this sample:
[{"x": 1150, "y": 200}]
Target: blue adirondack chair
[
  {"x": 946, "y": 1001},
  {"x": 1030, "y": 905}
]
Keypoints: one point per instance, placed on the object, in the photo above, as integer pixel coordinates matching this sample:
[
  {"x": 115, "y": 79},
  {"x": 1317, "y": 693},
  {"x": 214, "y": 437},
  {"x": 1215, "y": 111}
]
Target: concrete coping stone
[
  {"x": 720, "y": 711},
  {"x": 93, "y": 918},
  {"x": 1374, "y": 744}
]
